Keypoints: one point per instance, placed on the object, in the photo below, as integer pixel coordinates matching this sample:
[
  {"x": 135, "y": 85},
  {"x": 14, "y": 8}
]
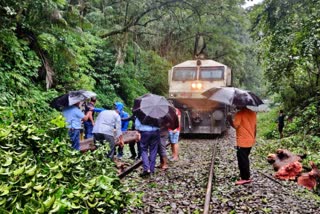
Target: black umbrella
[
  {"x": 233, "y": 96},
  {"x": 155, "y": 110},
  {"x": 71, "y": 98}
]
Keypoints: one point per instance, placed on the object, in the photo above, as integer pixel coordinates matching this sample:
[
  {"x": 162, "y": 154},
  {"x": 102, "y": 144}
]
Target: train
[{"x": 187, "y": 81}]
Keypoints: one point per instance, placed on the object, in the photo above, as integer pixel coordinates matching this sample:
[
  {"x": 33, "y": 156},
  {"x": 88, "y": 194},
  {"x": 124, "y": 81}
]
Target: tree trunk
[{"x": 121, "y": 49}]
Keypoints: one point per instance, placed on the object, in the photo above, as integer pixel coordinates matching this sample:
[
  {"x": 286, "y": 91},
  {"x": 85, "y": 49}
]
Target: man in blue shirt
[
  {"x": 74, "y": 117},
  {"x": 150, "y": 140},
  {"x": 124, "y": 124}
]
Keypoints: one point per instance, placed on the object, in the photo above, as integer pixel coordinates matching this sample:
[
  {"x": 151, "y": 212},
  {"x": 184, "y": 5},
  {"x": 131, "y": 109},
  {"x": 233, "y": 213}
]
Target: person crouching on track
[
  {"x": 244, "y": 122},
  {"x": 103, "y": 129}
]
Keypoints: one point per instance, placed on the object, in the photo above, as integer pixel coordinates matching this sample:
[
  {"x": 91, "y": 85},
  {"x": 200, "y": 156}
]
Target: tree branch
[{"x": 135, "y": 21}]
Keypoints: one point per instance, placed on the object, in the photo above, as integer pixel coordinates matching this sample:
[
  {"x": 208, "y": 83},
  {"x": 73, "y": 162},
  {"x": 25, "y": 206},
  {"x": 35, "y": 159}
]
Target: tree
[{"x": 289, "y": 39}]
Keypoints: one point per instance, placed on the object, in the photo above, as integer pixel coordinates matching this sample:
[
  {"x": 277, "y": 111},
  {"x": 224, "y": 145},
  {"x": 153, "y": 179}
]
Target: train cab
[{"x": 187, "y": 81}]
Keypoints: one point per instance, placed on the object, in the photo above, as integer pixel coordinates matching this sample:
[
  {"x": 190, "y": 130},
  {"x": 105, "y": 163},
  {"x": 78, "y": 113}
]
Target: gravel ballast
[{"x": 182, "y": 187}]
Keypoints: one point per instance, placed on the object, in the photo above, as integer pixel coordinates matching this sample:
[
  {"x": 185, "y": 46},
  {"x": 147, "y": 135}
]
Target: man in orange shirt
[{"x": 244, "y": 122}]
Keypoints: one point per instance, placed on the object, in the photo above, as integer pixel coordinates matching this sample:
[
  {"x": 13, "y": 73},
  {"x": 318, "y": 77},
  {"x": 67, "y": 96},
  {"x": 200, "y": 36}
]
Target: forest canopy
[{"x": 121, "y": 50}]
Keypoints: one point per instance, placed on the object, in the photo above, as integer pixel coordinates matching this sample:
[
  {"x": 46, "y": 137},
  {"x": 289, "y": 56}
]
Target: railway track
[
  {"x": 190, "y": 172},
  {"x": 184, "y": 187},
  {"x": 208, "y": 192},
  {"x": 210, "y": 181}
]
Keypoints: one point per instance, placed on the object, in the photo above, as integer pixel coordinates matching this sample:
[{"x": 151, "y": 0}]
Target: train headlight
[
  {"x": 196, "y": 85},
  {"x": 218, "y": 115}
]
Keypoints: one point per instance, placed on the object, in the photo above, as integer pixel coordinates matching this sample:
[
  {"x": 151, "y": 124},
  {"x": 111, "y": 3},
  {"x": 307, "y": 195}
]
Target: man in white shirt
[{"x": 103, "y": 130}]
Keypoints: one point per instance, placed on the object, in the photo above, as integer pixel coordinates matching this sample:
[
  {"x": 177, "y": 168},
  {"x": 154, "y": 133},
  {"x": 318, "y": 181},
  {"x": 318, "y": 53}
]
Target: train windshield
[
  {"x": 183, "y": 74},
  {"x": 211, "y": 73}
]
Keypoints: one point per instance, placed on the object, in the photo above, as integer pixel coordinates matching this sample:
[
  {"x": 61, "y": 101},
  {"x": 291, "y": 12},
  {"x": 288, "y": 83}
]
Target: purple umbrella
[
  {"x": 233, "y": 96},
  {"x": 155, "y": 110}
]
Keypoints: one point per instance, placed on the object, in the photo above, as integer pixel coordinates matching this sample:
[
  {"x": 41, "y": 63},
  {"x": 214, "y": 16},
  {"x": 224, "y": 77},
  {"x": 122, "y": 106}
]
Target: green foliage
[
  {"x": 154, "y": 73},
  {"x": 18, "y": 64},
  {"x": 267, "y": 126},
  {"x": 287, "y": 31},
  {"x": 306, "y": 120},
  {"x": 40, "y": 172},
  {"x": 49, "y": 47},
  {"x": 129, "y": 87}
]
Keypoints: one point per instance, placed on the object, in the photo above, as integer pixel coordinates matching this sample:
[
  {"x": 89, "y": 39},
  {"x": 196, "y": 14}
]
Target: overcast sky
[{"x": 250, "y": 3}]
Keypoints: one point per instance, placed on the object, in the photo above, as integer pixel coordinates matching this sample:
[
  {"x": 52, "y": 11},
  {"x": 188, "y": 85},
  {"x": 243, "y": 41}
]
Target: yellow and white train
[{"x": 187, "y": 81}]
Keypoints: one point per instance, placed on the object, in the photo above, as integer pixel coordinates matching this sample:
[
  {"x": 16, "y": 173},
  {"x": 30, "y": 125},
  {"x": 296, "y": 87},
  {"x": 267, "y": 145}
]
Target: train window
[
  {"x": 211, "y": 73},
  {"x": 183, "y": 74}
]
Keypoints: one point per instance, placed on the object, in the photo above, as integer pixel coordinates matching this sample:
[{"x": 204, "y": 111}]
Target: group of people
[
  {"x": 154, "y": 139},
  {"x": 109, "y": 125}
]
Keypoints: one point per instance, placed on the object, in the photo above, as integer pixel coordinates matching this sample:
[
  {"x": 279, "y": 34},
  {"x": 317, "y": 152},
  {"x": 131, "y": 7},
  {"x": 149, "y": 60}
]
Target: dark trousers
[
  {"x": 243, "y": 162},
  {"x": 74, "y": 135},
  {"x": 102, "y": 138},
  {"x": 133, "y": 150},
  {"x": 88, "y": 129},
  {"x": 120, "y": 152},
  {"x": 149, "y": 143}
]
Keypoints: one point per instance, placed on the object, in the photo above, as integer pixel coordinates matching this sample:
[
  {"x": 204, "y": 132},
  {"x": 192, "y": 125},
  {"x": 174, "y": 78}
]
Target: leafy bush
[
  {"x": 306, "y": 120},
  {"x": 41, "y": 173},
  {"x": 267, "y": 126}
]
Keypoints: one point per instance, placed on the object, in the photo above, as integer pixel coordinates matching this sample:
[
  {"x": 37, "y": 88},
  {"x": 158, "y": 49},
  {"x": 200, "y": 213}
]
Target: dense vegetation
[
  {"x": 288, "y": 34},
  {"x": 120, "y": 50}
]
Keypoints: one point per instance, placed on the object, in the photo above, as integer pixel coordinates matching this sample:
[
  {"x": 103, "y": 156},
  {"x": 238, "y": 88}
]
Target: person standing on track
[
  {"x": 149, "y": 142},
  {"x": 174, "y": 138},
  {"x": 124, "y": 124},
  {"x": 74, "y": 117},
  {"x": 162, "y": 148},
  {"x": 244, "y": 122},
  {"x": 88, "y": 125}
]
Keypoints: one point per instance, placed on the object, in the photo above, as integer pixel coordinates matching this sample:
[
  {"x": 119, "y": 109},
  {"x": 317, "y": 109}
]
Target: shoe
[
  {"x": 145, "y": 174},
  {"x": 132, "y": 158},
  {"x": 172, "y": 159},
  {"x": 241, "y": 182},
  {"x": 138, "y": 158}
]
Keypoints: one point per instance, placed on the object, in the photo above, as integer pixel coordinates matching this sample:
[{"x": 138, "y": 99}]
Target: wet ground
[{"x": 181, "y": 188}]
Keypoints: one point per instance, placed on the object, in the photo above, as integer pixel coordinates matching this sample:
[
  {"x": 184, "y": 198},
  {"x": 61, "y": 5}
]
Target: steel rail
[
  {"x": 209, "y": 186},
  {"x": 132, "y": 167}
]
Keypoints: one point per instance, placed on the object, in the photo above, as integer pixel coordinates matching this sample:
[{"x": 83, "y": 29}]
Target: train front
[{"x": 187, "y": 81}]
